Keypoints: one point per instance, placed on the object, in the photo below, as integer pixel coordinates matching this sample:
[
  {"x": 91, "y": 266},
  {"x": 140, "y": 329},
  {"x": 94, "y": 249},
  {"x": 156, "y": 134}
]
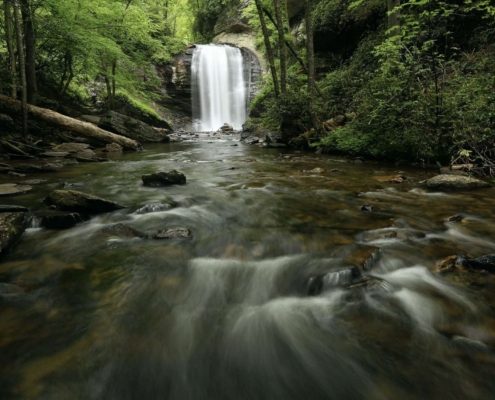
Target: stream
[{"x": 227, "y": 314}]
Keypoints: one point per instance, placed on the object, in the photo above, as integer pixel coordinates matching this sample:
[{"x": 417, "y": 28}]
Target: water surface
[{"x": 226, "y": 314}]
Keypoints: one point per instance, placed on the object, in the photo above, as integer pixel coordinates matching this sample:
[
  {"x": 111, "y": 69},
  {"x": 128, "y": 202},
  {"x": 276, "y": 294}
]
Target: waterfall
[{"x": 218, "y": 87}]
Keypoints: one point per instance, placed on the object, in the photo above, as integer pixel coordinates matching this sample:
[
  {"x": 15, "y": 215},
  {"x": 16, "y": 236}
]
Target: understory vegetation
[
  {"x": 101, "y": 53},
  {"x": 412, "y": 81}
]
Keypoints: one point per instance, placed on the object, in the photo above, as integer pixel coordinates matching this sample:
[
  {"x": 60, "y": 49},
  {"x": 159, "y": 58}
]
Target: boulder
[
  {"x": 391, "y": 178},
  {"x": 55, "y": 154},
  {"x": 73, "y": 200},
  {"x": 173, "y": 233},
  {"x": 86, "y": 155},
  {"x": 485, "y": 263},
  {"x": 40, "y": 167},
  {"x": 12, "y": 189},
  {"x": 12, "y": 208},
  {"x": 58, "y": 219},
  {"x": 133, "y": 128},
  {"x": 459, "y": 263},
  {"x": 71, "y": 148},
  {"x": 122, "y": 231},
  {"x": 454, "y": 182},
  {"x": 163, "y": 178},
  {"x": 12, "y": 226},
  {"x": 363, "y": 257},
  {"x": 113, "y": 148},
  {"x": 226, "y": 128}
]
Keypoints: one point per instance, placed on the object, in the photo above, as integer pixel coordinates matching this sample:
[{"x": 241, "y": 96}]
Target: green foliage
[
  {"x": 206, "y": 14},
  {"x": 82, "y": 44}
]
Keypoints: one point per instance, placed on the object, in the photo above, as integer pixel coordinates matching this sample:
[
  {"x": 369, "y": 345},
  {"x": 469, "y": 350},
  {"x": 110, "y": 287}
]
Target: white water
[{"x": 218, "y": 87}]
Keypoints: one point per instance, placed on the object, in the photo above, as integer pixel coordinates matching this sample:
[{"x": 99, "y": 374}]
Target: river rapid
[{"x": 227, "y": 314}]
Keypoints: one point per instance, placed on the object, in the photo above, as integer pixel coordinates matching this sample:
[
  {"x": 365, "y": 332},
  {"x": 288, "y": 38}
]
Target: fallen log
[{"x": 82, "y": 128}]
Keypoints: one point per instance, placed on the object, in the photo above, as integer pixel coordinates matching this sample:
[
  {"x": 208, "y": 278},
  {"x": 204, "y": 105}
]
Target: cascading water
[{"x": 218, "y": 87}]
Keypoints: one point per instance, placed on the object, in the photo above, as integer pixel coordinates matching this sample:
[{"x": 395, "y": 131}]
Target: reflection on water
[{"x": 95, "y": 313}]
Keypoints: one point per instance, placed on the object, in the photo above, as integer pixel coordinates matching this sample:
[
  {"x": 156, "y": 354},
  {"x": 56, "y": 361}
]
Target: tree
[
  {"x": 282, "y": 49},
  {"x": 30, "y": 51},
  {"x": 268, "y": 47},
  {"x": 22, "y": 65},
  {"x": 9, "y": 39},
  {"x": 312, "y": 89}
]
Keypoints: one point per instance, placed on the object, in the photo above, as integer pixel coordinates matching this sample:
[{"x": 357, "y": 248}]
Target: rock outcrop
[
  {"x": 73, "y": 200},
  {"x": 455, "y": 182},
  {"x": 12, "y": 226}
]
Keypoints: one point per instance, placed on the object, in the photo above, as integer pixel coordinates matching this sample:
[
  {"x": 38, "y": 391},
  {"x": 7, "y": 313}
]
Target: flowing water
[
  {"x": 226, "y": 314},
  {"x": 218, "y": 87}
]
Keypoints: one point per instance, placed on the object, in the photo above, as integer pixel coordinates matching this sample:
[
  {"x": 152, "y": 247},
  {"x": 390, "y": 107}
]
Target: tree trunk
[
  {"x": 268, "y": 48},
  {"x": 62, "y": 121},
  {"x": 30, "y": 43},
  {"x": 9, "y": 39},
  {"x": 312, "y": 90},
  {"x": 287, "y": 43},
  {"x": 114, "y": 69},
  {"x": 393, "y": 17},
  {"x": 22, "y": 66},
  {"x": 282, "y": 49}
]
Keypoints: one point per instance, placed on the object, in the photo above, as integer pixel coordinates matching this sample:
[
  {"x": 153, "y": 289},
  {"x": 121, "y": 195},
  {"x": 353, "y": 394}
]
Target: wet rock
[
  {"x": 34, "y": 181},
  {"x": 12, "y": 226},
  {"x": 226, "y": 128},
  {"x": 456, "y": 218},
  {"x": 173, "y": 233},
  {"x": 55, "y": 154},
  {"x": 340, "y": 278},
  {"x": 133, "y": 128},
  {"x": 59, "y": 219},
  {"x": 371, "y": 283},
  {"x": 73, "y": 200},
  {"x": 448, "y": 264},
  {"x": 367, "y": 208},
  {"x": 391, "y": 178},
  {"x": 486, "y": 263},
  {"x": 122, "y": 231},
  {"x": 454, "y": 182},
  {"x": 164, "y": 178},
  {"x": 156, "y": 207},
  {"x": 458, "y": 263},
  {"x": 113, "y": 148},
  {"x": 12, "y": 189},
  {"x": 71, "y": 148},
  {"x": 39, "y": 167},
  {"x": 12, "y": 208},
  {"x": 86, "y": 155},
  {"x": 363, "y": 257}
]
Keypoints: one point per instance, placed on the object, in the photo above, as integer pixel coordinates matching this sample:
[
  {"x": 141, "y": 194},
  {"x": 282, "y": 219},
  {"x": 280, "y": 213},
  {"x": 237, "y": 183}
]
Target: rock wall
[{"x": 179, "y": 85}]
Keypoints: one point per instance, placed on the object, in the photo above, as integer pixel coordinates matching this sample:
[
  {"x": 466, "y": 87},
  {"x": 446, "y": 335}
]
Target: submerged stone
[
  {"x": 173, "y": 233},
  {"x": 122, "y": 231},
  {"x": 59, "y": 219},
  {"x": 12, "y": 189},
  {"x": 164, "y": 178},
  {"x": 73, "y": 200}
]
